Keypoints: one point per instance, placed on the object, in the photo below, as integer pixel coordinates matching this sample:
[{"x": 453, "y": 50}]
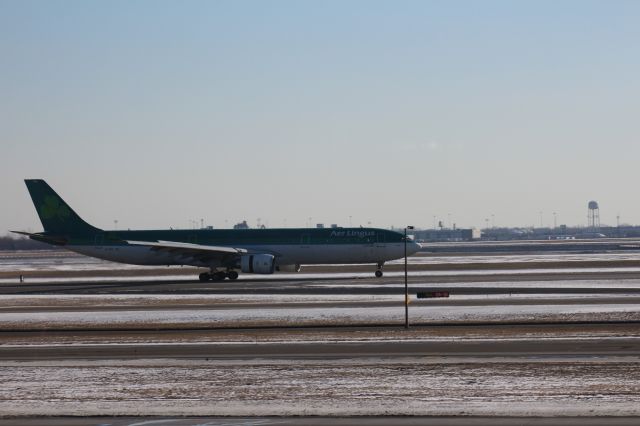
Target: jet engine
[
  {"x": 288, "y": 268},
  {"x": 257, "y": 263}
]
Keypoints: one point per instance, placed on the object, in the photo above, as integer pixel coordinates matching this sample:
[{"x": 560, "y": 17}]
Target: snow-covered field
[
  {"x": 250, "y": 317},
  {"x": 47, "y": 260},
  {"x": 411, "y": 386},
  {"x": 331, "y": 276},
  {"x": 10, "y": 301},
  {"x": 527, "y": 385}
]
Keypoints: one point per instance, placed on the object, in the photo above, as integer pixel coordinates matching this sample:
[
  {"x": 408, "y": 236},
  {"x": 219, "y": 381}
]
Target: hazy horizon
[{"x": 375, "y": 113}]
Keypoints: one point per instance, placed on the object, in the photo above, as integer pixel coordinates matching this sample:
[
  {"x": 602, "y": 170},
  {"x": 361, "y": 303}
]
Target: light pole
[{"x": 406, "y": 281}]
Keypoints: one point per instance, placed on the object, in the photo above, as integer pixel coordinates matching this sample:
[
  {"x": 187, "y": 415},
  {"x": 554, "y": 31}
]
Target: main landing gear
[
  {"x": 379, "y": 270},
  {"x": 218, "y": 276}
]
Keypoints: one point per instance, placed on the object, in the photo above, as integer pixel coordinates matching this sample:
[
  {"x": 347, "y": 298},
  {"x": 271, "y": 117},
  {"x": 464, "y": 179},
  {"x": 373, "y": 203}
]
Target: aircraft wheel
[
  {"x": 204, "y": 277},
  {"x": 232, "y": 275},
  {"x": 378, "y": 273},
  {"x": 218, "y": 276}
]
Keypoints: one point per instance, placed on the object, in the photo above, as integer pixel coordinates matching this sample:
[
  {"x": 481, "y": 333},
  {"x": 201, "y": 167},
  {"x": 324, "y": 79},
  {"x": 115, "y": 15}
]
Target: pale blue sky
[{"x": 155, "y": 113}]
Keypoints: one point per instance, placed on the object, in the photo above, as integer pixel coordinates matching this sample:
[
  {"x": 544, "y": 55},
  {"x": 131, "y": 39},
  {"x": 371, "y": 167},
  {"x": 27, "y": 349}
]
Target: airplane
[{"x": 223, "y": 251}]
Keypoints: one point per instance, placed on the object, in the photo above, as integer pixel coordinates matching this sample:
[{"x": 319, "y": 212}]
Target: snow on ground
[
  {"x": 99, "y": 279},
  {"x": 68, "y": 261},
  {"x": 60, "y": 263},
  {"x": 332, "y": 275},
  {"x": 520, "y": 258},
  {"x": 525, "y": 386},
  {"x": 11, "y": 301},
  {"x": 194, "y": 317},
  {"x": 412, "y": 386}
]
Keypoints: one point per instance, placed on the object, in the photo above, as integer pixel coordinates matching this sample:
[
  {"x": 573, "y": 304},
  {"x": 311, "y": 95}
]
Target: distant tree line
[{"x": 9, "y": 242}]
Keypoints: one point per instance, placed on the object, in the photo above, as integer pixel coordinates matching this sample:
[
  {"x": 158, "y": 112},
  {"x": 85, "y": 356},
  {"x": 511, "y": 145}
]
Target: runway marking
[{"x": 156, "y": 422}]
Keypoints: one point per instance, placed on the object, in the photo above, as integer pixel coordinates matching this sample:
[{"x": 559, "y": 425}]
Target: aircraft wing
[
  {"x": 190, "y": 251},
  {"x": 172, "y": 245}
]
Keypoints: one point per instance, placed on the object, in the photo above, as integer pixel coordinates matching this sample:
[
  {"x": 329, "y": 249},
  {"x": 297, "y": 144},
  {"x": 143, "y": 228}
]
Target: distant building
[
  {"x": 435, "y": 235},
  {"x": 241, "y": 225}
]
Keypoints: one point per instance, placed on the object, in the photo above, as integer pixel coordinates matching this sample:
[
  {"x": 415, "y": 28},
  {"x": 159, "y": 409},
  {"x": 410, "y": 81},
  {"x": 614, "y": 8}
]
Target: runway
[{"x": 304, "y": 350}]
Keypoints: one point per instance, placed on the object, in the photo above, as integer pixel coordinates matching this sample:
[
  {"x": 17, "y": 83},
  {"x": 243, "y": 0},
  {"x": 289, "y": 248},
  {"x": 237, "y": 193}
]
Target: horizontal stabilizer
[
  {"x": 55, "y": 240},
  {"x": 28, "y": 234}
]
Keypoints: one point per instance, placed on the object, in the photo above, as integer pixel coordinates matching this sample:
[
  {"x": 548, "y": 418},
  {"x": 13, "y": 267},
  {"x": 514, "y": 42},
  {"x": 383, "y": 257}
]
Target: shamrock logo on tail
[{"x": 53, "y": 208}]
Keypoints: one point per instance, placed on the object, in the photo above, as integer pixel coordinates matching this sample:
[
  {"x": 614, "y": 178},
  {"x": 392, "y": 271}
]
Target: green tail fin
[{"x": 56, "y": 215}]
